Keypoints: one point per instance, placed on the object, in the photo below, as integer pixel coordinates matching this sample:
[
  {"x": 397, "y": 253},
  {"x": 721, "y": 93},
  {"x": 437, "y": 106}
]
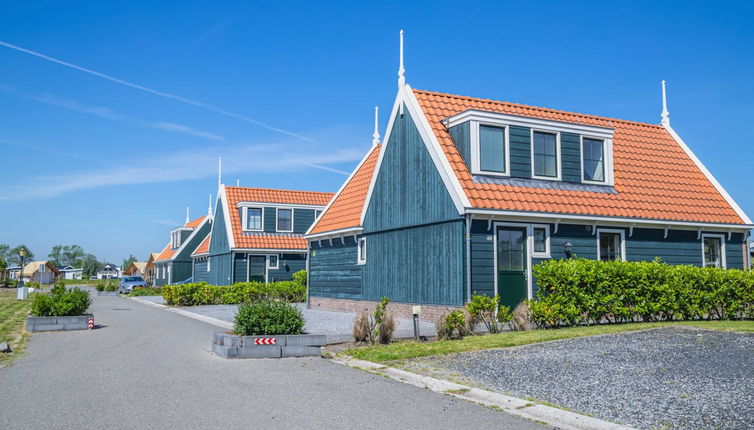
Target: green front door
[
  {"x": 257, "y": 268},
  {"x": 512, "y": 261}
]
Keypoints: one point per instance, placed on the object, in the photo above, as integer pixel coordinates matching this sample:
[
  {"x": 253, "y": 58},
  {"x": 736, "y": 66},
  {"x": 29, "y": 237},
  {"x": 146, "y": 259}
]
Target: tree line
[{"x": 60, "y": 255}]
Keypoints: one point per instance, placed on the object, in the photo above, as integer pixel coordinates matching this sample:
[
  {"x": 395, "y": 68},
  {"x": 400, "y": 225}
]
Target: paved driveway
[{"x": 147, "y": 368}]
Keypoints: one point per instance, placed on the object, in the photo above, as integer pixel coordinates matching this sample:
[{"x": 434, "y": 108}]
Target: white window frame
[
  {"x": 475, "y": 162},
  {"x": 277, "y": 261},
  {"x": 558, "y": 158},
  {"x": 622, "y": 241},
  {"x": 361, "y": 257},
  {"x": 277, "y": 220},
  {"x": 209, "y": 261},
  {"x": 723, "y": 257},
  {"x": 245, "y": 219},
  {"x": 168, "y": 266},
  {"x": 546, "y": 253},
  {"x": 607, "y": 148}
]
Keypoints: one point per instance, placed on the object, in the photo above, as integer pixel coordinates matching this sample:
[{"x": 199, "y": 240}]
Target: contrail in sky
[{"x": 210, "y": 107}]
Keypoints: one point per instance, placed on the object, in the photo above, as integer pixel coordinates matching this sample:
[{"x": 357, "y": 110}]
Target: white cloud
[{"x": 178, "y": 128}]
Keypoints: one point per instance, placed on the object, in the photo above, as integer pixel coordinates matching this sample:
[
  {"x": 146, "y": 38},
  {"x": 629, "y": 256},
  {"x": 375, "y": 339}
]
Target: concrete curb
[
  {"x": 523, "y": 408},
  {"x": 208, "y": 320}
]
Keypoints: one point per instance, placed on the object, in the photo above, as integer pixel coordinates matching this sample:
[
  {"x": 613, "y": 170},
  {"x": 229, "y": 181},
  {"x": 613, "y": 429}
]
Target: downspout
[
  {"x": 469, "y": 218},
  {"x": 308, "y": 274}
]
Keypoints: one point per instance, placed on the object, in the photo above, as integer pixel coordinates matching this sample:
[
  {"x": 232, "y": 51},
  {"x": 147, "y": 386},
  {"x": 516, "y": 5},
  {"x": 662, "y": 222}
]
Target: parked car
[{"x": 129, "y": 283}]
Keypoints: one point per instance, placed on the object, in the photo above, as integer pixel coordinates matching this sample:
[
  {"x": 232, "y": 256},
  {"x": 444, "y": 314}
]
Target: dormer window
[
  {"x": 175, "y": 239},
  {"x": 593, "y": 159},
  {"x": 253, "y": 219},
  {"x": 284, "y": 219},
  {"x": 492, "y": 149},
  {"x": 545, "y": 154}
]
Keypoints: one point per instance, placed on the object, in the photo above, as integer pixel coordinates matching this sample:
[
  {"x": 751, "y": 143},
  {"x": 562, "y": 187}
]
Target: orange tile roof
[
  {"x": 254, "y": 240},
  {"x": 345, "y": 211},
  {"x": 654, "y": 177},
  {"x": 195, "y": 223},
  {"x": 166, "y": 254},
  {"x": 203, "y": 247}
]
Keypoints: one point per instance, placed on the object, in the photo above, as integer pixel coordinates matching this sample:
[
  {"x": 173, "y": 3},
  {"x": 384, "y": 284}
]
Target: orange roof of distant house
[
  {"x": 345, "y": 210},
  {"x": 654, "y": 177},
  {"x": 203, "y": 247},
  {"x": 166, "y": 253},
  {"x": 260, "y": 240}
]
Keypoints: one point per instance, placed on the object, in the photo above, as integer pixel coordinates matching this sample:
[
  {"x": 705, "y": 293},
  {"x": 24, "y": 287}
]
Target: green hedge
[
  {"x": 265, "y": 318},
  {"x": 201, "y": 293},
  {"x": 581, "y": 291},
  {"x": 60, "y": 302}
]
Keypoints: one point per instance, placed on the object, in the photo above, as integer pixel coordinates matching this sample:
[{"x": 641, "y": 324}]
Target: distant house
[
  {"x": 137, "y": 268},
  {"x": 258, "y": 235},
  {"x": 200, "y": 258},
  {"x": 42, "y": 272},
  {"x": 149, "y": 269},
  {"x": 174, "y": 264},
  {"x": 109, "y": 271},
  {"x": 70, "y": 272},
  {"x": 465, "y": 195},
  {"x": 13, "y": 272}
]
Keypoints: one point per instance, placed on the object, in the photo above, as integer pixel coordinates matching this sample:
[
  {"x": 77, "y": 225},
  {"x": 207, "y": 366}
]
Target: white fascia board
[
  {"x": 278, "y": 205},
  {"x": 226, "y": 217},
  {"x": 385, "y": 141},
  {"x": 334, "y": 233},
  {"x": 604, "y": 220},
  {"x": 188, "y": 239},
  {"x": 708, "y": 174},
  {"x": 340, "y": 190},
  {"x": 273, "y": 250},
  {"x": 452, "y": 184},
  {"x": 527, "y": 121}
]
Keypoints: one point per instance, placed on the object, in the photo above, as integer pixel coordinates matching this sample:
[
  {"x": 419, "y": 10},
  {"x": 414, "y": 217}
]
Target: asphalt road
[{"x": 147, "y": 368}]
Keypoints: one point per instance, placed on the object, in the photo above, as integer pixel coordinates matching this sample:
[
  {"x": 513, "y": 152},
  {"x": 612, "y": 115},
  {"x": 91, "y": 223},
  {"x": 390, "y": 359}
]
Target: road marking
[{"x": 523, "y": 408}]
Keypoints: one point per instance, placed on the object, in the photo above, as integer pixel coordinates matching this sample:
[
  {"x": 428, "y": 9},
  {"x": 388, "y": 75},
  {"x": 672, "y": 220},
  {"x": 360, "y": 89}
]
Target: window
[
  {"x": 545, "y": 155},
  {"x": 273, "y": 262},
  {"x": 713, "y": 251},
  {"x": 610, "y": 246},
  {"x": 541, "y": 241},
  {"x": 317, "y": 214},
  {"x": 593, "y": 155},
  {"x": 175, "y": 239},
  {"x": 285, "y": 220},
  {"x": 362, "y": 251},
  {"x": 492, "y": 149},
  {"x": 253, "y": 218}
]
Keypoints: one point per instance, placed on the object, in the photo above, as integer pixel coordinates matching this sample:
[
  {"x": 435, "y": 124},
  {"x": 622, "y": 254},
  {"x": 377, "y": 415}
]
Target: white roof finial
[
  {"x": 187, "y": 215},
  {"x": 238, "y": 182},
  {"x": 376, "y": 134},
  {"x": 209, "y": 207},
  {"x": 665, "y": 113},
  {"x": 219, "y": 171},
  {"x": 401, "y": 69}
]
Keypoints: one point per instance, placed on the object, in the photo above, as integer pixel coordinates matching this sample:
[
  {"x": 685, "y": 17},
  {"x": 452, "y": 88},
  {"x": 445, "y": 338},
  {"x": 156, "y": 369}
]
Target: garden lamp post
[
  {"x": 567, "y": 250},
  {"x": 22, "y": 292}
]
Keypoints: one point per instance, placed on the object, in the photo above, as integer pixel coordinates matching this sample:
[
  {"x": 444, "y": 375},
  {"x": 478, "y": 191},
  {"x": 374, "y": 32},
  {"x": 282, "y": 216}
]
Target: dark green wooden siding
[
  {"x": 302, "y": 220},
  {"x": 461, "y": 135},
  {"x": 570, "y": 152},
  {"x": 408, "y": 190},
  {"x": 520, "y": 147},
  {"x": 289, "y": 264},
  {"x": 333, "y": 270},
  {"x": 219, "y": 242},
  {"x": 417, "y": 265},
  {"x": 270, "y": 220},
  {"x": 200, "y": 270}
]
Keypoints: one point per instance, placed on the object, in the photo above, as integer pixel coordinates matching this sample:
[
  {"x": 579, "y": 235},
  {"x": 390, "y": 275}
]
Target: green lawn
[
  {"x": 12, "y": 320},
  {"x": 409, "y": 349}
]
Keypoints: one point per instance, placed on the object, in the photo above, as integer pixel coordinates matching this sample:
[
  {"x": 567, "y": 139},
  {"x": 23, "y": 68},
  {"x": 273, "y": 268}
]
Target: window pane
[
  {"x": 610, "y": 248},
  {"x": 273, "y": 261},
  {"x": 491, "y": 149},
  {"x": 254, "y": 219},
  {"x": 712, "y": 254},
  {"x": 540, "y": 240},
  {"x": 545, "y": 155},
  {"x": 284, "y": 219},
  {"x": 594, "y": 164}
]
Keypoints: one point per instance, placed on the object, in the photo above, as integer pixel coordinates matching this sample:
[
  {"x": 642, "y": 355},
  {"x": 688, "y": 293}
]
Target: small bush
[
  {"x": 361, "y": 328},
  {"x": 300, "y": 277},
  {"x": 201, "y": 293},
  {"x": 111, "y": 286},
  {"x": 386, "y": 328},
  {"x": 61, "y": 302},
  {"x": 138, "y": 292},
  {"x": 519, "y": 319},
  {"x": 268, "y": 318},
  {"x": 100, "y": 286},
  {"x": 451, "y": 325}
]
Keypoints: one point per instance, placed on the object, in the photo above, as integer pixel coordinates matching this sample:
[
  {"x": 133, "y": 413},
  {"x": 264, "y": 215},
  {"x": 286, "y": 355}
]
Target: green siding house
[
  {"x": 174, "y": 265},
  {"x": 464, "y": 195}
]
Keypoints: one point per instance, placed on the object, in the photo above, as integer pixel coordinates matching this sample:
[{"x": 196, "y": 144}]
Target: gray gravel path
[
  {"x": 664, "y": 378},
  {"x": 151, "y": 369}
]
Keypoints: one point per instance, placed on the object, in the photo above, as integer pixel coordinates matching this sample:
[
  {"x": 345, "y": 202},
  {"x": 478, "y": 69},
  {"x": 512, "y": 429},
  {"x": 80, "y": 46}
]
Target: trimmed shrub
[
  {"x": 145, "y": 291},
  {"x": 61, "y": 302},
  {"x": 111, "y": 286},
  {"x": 300, "y": 277},
  {"x": 584, "y": 291},
  {"x": 100, "y": 286},
  {"x": 201, "y": 293},
  {"x": 267, "y": 318},
  {"x": 451, "y": 325}
]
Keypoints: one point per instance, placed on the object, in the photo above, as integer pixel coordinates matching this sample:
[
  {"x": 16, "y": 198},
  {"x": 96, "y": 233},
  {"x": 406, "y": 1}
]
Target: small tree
[
  {"x": 3, "y": 268},
  {"x": 378, "y": 326}
]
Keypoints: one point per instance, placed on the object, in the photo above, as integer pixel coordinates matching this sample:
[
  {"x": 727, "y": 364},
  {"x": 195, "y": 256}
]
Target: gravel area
[
  {"x": 336, "y": 325},
  {"x": 663, "y": 378}
]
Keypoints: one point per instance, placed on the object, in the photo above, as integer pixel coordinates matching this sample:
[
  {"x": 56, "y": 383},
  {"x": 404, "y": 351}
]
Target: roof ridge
[
  {"x": 277, "y": 189},
  {"x": 539, "y": 108}
]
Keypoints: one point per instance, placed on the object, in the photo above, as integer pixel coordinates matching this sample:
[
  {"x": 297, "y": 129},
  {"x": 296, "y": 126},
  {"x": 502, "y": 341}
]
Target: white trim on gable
[
  {"x": 226, "y": 217},
  {"x": 188, "y": 239},
  {"x": 708, "y": 174}
]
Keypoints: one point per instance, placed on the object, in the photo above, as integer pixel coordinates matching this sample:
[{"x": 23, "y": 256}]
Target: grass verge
[
  {"x": 12, "y": 319},
  {"x": 409, "y": 349}
]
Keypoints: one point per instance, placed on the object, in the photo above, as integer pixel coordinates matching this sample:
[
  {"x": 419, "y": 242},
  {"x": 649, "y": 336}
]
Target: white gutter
[{"x": 335, "y": 233}]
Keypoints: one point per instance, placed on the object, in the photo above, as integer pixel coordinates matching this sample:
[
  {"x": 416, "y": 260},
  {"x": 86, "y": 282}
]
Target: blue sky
[{"x": 285, "y": 93}]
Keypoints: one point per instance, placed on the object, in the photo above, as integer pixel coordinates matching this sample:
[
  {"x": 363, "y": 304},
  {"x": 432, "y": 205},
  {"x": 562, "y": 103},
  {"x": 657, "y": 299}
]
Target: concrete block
[
  {"x": 231, "y": 340},
  {"x": 306, "y": 339},
  {"x": 260, "y": 351},
  {"x": 224, "y": 351},
  {"x": 4, "y": 347},
  {"x": 75, "y": 326},
  {"x": 47, "y": 327},
  {"x": 301, "y": 351}
]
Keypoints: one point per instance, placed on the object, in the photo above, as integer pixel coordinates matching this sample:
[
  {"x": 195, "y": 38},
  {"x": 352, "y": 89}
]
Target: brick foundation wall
[{"x": 430, "y": 313}]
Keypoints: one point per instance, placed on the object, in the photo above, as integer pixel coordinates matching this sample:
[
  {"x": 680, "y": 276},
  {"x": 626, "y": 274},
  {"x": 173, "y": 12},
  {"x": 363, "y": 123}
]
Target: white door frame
[{"x": 529, "y": 243}]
